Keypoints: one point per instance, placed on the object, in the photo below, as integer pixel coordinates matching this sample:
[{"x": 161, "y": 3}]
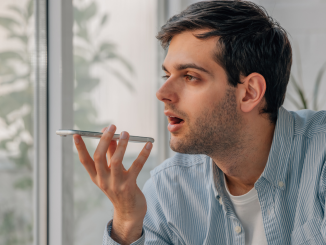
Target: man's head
[{"x": 228, "y": 63}]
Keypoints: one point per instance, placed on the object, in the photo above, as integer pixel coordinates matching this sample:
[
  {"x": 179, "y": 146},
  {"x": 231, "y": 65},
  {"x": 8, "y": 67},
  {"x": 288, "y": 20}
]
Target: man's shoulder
[
  {"x": 309, "y": 123},
  {"x": 180, "y": 162},
  {"x": 178, "y": 181}
]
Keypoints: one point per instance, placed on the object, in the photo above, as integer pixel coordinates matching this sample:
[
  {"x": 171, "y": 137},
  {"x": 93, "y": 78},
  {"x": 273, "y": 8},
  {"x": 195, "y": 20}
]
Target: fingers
[
  {"x": 111, "y": 150},
  {"x": 84, "y": 156},
  {"x": 138, "y": 164},
  {"x": 117, "y": 157},
  {"x": 101, "y": 150}
]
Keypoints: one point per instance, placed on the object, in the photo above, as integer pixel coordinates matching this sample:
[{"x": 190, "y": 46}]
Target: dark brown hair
[{"x": 249, "y": 41}]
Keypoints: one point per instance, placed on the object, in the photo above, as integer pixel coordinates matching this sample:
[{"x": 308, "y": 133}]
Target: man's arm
[{"x": 155, "y": 227}]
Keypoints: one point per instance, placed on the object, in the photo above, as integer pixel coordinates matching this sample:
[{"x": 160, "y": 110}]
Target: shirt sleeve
[
  {"x": 107, "y": 240},
  {"x": 322, "y": 198},
  {"x": 155, "y": 226}
]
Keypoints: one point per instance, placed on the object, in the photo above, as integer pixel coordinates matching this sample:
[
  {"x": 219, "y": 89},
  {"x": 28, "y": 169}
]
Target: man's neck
[{"x": 243, "y": 165}]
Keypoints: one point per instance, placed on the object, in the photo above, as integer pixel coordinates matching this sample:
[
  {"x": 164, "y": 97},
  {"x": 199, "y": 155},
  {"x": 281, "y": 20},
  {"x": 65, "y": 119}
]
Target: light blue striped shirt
[{"x": 187, "y": 203}]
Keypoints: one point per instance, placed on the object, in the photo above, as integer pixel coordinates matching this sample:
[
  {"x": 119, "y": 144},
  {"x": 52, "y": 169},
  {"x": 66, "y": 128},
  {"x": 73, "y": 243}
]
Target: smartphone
[{"x": 136, "y": 139}]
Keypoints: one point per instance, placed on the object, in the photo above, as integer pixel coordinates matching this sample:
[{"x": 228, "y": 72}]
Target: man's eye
[
  {"x": 190, "y": 78},
  {"x": 166, "y": 77}
]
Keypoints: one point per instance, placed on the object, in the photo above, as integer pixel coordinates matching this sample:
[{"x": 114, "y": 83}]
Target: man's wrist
[{"x": 126, "y": 232}]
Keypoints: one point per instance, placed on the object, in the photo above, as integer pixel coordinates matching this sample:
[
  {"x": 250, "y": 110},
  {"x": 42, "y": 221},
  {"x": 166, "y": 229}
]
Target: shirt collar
[
  {"x": 216, "y": 178},
  {"x": 278, "y": 158},
  {"x": 277, "y": 163}
]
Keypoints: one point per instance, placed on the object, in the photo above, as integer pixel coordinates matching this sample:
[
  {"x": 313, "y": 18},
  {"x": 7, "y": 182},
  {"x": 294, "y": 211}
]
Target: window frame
[
  {"x": 60, "y": 116},
  {"x": 40, "y": 127}
]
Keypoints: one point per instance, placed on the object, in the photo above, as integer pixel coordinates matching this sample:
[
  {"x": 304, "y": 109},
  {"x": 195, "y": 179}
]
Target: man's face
[{"x": 200, "y": 105}]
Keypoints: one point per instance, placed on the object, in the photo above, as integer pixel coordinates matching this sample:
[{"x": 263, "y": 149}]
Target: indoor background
[{"x": 85, "y": 64}]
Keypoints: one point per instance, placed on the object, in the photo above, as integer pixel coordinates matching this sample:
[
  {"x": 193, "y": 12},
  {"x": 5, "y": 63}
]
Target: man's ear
[{"x": 252, "y": 91}]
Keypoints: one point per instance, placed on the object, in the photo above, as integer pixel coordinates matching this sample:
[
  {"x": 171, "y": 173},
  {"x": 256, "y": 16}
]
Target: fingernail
[
  {"x": 123, "y": 135},
  {"x": 148, "y": 145},
  {"x": 76, "y": 140},
  {"x": 110, "y": 128}
]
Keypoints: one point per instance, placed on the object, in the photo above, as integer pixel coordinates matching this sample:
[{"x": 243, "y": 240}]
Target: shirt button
[
  {"x": 221, "y": 201},
  {"x": 237, "y": 229},
  {"x": 280, "y": 183}
]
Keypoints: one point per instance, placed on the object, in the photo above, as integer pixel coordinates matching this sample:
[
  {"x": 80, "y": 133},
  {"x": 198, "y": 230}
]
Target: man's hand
[{"x": 118, "y": 184}]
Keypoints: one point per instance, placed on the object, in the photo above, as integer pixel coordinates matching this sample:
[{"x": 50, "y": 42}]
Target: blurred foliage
[
  {"x": 300, "y": 99},
  {"x": 16, "y": 110},
  {"x": 16, "y": 115},
  {"x": 90, "y": 53}
]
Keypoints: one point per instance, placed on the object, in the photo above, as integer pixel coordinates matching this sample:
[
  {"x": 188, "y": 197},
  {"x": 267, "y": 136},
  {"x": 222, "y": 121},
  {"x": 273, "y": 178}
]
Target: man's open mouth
[{"x": 175, "y": 120}]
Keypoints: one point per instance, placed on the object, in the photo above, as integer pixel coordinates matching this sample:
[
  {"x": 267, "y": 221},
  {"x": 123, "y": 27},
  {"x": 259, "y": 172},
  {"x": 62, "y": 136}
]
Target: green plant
[
  {"x": 16, "y": 117},
  {"x": 16, "y": 111},
  {"x": 302, "y": 101},
  {"x": 90, "y": 53}
]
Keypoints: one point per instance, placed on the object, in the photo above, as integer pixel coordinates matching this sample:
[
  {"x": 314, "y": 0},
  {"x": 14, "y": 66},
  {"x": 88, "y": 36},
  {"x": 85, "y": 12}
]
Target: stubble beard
[{"x": 215, "y": 133}]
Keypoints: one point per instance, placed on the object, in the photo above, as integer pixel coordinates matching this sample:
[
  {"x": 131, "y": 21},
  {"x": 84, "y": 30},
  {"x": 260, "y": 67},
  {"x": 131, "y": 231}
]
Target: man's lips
[
  {"x": 175, "y": 122},
  {"x": 172, "y": 115},
  {"x": 174, "y": 127}
]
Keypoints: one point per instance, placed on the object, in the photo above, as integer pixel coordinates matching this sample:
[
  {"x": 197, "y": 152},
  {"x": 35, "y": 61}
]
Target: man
[{"x": 247, "y": 171}]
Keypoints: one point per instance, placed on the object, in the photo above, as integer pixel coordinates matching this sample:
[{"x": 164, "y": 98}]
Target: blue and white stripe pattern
[{"x": 187, "y": 205}]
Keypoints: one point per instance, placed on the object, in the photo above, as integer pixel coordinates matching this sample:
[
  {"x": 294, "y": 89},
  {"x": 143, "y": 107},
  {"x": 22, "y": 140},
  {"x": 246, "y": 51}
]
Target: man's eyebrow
[{"x": 188, "y": 65}]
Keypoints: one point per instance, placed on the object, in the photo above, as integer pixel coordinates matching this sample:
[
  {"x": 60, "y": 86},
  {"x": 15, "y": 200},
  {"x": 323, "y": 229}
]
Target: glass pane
[
  {"x": 16, "y": 122},
  {"x": 115, "y": 82}
]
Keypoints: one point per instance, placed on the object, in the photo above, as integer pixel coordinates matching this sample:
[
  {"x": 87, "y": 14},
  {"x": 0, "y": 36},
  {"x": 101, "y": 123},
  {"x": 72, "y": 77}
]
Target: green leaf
[
  {"x": 300, "y": 92},
  {"x": 89, "y": 11},
  {"x": 83, "y": 33},
  {"x": 30, "y": 8},
  {"x": 11, "y": 55},
  {"x": 82, "y": 16},
  {"x": 107, "y": 52},
  {"x": 121, "y": 78},
  {"x": 12, "y": 102},
  {"x": 107, "y": 47},
  {"x": 22, "y": 38},
  {"x": 104, "y": 19},
  {"x": 22, "y": 161},
  {"x": 8, "y": 22},
  {"x": 296, "y": 104},
  {"x": 16, "y": 9},
  {"x": 6, "y": 69},
  {"x": 24, "y": 183},
  {"x": 78, "y": 17},
  {"x": 317, "y": 85}
]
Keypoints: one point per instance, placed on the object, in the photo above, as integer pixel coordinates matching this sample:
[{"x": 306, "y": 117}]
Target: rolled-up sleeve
[{"x": 107, "y": 240}]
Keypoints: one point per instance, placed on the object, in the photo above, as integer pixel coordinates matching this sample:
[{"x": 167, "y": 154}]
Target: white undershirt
[{"x": 249, "y": 213}]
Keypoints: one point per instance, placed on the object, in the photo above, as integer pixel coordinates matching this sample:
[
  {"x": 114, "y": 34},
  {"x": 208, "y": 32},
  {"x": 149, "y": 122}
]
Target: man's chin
[
  {"x": 179, "y": 144},
  {"x": 175, "y": 143}
]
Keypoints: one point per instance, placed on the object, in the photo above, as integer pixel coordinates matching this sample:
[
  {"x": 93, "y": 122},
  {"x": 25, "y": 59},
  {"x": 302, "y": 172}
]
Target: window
[
  {"x": 16, "y": 122},
  {"x": 115, "y": 68}
]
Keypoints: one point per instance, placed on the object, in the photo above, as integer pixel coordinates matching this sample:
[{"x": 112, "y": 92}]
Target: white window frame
[
  {"x": 40, "y": 178},
  {"x": 60, "y": 109}
]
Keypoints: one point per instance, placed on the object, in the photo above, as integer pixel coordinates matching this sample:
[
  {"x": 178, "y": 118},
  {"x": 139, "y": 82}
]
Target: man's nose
[{"x": 167, "y": 92}]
